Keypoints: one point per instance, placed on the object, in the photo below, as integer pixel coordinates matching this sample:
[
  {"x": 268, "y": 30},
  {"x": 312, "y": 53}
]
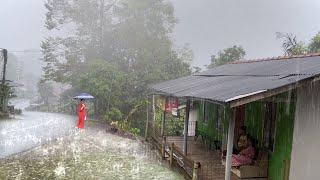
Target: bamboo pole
[
  {"x": 186, "y": 123},
  {"x": 230, "y": 145}
]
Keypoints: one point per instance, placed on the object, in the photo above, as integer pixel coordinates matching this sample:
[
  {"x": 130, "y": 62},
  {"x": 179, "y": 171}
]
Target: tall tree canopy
[
  {"x": 292, "y": 46},
  {"x": 314, "y": 45},
  {"x": 227, "y": 55},
  {"x": 115, "y": 50}
]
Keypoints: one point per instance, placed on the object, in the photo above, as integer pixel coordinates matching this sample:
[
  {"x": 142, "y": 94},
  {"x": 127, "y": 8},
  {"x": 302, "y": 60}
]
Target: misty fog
[
  {"x": 206, "y": 25},
  {"x": 133, "y": 89}
]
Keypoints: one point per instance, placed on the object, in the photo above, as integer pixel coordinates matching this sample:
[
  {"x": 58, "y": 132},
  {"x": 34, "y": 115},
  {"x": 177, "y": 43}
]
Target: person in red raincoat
[{"x": 81, "y": 114}]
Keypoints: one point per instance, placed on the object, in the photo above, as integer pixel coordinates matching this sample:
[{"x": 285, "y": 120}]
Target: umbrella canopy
[{"x": 83, "y": 96}]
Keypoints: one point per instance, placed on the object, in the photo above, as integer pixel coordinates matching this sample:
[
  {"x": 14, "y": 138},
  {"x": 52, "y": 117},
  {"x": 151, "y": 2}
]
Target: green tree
[
  {"x": 314, "y": 46},
  {"x": 116, "y": 50},
  {"x": 45, "y": 91},
  {"x": 227, "y": 55},
  {"x": 290, "y": 44}
]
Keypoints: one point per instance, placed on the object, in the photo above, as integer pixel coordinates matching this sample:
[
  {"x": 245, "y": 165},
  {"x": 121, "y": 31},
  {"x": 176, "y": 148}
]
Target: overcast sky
[
  {"x": 206, "y": 25},
  {"x": 21, "y": 24}
]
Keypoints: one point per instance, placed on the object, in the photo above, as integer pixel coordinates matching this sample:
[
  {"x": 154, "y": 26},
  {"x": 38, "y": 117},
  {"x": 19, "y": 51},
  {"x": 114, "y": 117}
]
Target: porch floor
[{"x": 210, "y": 160}]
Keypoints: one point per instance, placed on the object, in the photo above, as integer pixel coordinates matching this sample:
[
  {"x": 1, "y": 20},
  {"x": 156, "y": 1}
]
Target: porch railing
[{"x": 173, "y": 154}]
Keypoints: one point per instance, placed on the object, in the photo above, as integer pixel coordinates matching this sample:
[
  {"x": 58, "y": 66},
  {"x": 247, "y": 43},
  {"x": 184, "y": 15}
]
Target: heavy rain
[{"x": 159, "y": 89}]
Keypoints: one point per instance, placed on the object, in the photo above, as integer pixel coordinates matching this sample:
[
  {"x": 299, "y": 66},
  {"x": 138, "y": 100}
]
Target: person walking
[{"x": 81, "y": 114}]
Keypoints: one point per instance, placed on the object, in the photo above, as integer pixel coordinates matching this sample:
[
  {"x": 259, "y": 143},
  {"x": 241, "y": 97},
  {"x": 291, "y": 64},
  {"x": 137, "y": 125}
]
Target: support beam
[
  {"x": 154, "y": 115},
  {"x": 147, "y": 122},
  {"x": 186, "y": 123},
  {"x": 153, "y": 108},
  {"x": 163, "y": 126},
  {"x": 230, "y": 144}
]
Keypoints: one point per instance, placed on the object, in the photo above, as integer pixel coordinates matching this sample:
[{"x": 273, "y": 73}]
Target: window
[{"x": 270, "y": 125}]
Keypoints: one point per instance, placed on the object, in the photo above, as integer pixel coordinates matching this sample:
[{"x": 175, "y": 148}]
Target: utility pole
[
  {"x": 3, "y": 95},
  {"x": 5, "y": 59}
]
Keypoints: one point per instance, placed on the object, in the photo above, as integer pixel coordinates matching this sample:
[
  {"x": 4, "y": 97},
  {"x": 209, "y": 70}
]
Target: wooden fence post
[
  {"x": 171, "y": 154},
  {"x": 147, "y": 122},
  {"x": 196, "y": 167},
  {"x": 186, "y": 123},
  {"x": 163, "y": 146}
]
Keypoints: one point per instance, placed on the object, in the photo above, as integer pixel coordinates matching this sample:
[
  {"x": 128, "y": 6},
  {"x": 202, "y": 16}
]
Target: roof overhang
[
  {"x": 273, "y": 92},
  {"x": 237, "y": 84}
]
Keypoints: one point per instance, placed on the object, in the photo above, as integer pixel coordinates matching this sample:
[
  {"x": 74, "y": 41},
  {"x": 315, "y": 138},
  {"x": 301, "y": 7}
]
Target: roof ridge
[{"x": 275, "y": 58}]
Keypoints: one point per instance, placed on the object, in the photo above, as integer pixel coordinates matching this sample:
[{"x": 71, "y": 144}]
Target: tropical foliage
[
  {"x": 292, "y": 46},
  {"x": 113, "y": 50},
  {"x": 227, "y": 55}
]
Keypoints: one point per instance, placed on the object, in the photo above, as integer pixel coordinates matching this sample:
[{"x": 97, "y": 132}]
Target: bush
[
  {"x": 135, "y": 131},
  {"x": 113, "y": 115},
  {"x": 17, "y": 111}
]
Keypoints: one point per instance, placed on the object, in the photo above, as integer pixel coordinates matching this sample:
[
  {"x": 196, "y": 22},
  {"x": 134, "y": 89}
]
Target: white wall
[{"x": 305, "y": 157}]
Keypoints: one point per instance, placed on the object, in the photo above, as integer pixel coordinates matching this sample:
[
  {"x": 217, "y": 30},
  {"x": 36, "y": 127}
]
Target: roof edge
[{"x": 275, "y": 58}]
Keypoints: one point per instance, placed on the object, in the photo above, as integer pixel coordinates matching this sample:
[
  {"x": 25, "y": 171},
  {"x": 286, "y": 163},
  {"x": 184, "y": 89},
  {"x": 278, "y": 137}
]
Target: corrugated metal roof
[
  {"x": 273, "y": 67},
  {"x": 231, "y": 82}
]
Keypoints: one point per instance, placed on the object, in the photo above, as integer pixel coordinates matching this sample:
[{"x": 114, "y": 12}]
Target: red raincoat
[{"x": 81, "y": 114}]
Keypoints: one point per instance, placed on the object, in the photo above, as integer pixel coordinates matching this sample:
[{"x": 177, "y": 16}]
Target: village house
[{"x": 277, "y": 99}]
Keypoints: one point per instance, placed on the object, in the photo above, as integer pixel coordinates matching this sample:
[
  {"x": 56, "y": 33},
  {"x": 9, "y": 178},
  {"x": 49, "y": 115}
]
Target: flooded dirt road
[{"x": 38, "y": 145}]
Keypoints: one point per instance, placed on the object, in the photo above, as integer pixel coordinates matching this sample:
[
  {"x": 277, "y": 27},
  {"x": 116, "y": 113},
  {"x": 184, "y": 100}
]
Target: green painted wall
[
  {"x": 255, "y": 115},
  {"x": 254, "y": 120},
  {"x": 209, "y": 130},
  {"x": 283, "y": 140}
]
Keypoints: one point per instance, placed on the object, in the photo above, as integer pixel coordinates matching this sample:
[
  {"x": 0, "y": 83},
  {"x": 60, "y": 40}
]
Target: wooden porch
[{"x": 210, "y": 160}]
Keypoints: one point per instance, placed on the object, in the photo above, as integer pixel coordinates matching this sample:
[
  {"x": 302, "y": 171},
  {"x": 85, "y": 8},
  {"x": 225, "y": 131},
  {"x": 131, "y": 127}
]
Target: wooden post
[
  {"x": 4, "y": 95},
  {"x": 171, "y": 154},
  {"x": 153, "y": 108},
  {"x": 147, "y": 123},
  {"x": 286, "y": 171},
  {"x": 164, "y": 119},
  {"x": 230, "y": 145},
  {"x": 163, "y": 146},
  {"x": 154, "y": 114},
  {"x": 195, "y": 172},
  {"x": 163, "y": 123},
  {"x": 186, "y": 123}
]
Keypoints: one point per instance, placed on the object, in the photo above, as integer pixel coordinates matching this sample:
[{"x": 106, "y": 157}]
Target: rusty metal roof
[{"x": 235, "y": 81}]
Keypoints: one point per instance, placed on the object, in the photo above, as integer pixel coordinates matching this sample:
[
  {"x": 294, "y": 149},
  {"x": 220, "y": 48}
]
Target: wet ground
[
  {"x": 40, "y": 145},
  {"x": 31, "y": 129},
  {"x": 92, "y": 154}
]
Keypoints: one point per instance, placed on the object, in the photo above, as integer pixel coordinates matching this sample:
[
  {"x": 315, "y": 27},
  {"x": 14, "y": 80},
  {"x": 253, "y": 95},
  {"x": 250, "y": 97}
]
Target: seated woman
[
  {"x": 245, "y": 156},
  {"x": 242, "y": 142}
]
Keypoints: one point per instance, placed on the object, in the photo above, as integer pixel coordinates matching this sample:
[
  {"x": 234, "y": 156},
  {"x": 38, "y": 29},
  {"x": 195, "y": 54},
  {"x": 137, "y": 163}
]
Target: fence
[{"x": 173, "y": 153}]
